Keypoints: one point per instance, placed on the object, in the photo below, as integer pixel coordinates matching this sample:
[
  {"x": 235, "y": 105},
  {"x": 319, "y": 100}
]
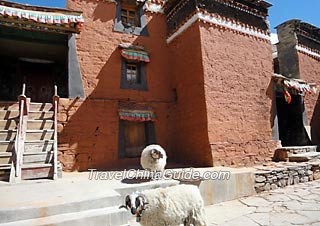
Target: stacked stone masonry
[{"x": 284, "y": 174}]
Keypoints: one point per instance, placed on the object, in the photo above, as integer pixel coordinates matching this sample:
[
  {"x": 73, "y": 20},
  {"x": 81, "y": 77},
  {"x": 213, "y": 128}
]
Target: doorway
[
  {"x": 37, "y": 59},
  {"x": 39, "y": 79},
  {"x": 290, "y": 121}
]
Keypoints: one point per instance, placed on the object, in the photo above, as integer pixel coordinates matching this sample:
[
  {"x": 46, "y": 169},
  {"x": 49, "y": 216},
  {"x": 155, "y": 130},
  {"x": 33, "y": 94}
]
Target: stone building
[
  {"x": 203, "y": 79},
  {"x": 298, "y": 58},
  {"x": 189, "y": 75}
]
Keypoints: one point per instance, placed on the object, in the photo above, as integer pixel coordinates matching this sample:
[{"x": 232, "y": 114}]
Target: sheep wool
[
  {"x": 151, "y": 164},
  {"x": 173, "y": 206}
]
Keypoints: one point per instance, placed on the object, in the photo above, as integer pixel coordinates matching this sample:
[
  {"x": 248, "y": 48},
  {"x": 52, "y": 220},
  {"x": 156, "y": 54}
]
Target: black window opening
[
  {"x": 130, "y": 18},
  {"x": 134, "y": 137},
  {"x": 133, "y": 75}
]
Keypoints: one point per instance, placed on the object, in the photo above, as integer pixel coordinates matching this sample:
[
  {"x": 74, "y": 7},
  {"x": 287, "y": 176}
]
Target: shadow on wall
[
  {"x": 101, "y": 12},
  {"x": 315, "y": 124}
]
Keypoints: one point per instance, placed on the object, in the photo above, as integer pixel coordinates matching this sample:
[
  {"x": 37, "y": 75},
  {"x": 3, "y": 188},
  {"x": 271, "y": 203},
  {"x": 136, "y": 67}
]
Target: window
[
  {"x": 134, "y": 137},
  {"x": 133, "y": 75},
  {"x": 130, "y": 18}
]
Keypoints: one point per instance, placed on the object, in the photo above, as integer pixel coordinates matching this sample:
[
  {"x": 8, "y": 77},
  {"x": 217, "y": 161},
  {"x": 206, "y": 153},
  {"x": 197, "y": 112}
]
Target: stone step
[
  {"x": 6, "y": 135},
  {"x": 98, "y": 206},
  {"x": 36, "y": 171},
  {"x": 124, "y": 191},
  {"x": 304, "y": 157},
  {"x": 9, "y": 114},
  {"x": 6, "y": 146},
  {"x": 37, "y": 157},
  {"x": 109, "y": 216},
  {"x": 36, "y": 115},
  {"x": 40, "y": 107},
  {"x": 38, "y": 146},
  {"x": 283, "y": 153},
  {"x": 5, "y": 158},
  {"x": 64, "y": 203},
  {"x": 4, "y": 105},
  {"x": 46, "y": 134},
  {"x": 39, "y": 124},
  {"x": 8, "y": 124}
]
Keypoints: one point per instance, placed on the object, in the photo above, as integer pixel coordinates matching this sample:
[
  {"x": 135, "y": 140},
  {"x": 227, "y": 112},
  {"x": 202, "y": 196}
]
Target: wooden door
[
  {"x": 135, "y": 138},
  {"x": 39, "y": 81}
]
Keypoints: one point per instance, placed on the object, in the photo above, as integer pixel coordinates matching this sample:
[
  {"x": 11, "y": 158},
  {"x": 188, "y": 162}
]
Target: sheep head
[
  {"x": 136, "y": 203},
  {"x": 156, "y": 154}
]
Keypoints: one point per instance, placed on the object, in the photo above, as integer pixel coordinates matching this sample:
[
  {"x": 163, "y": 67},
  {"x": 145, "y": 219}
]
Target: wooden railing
[
  {"x": 55, "y": 136},
  {"x": 21, "y": 134}
]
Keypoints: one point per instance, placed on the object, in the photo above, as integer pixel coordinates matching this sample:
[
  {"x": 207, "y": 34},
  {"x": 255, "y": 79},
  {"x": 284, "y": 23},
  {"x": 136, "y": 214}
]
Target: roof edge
[{"x": 38, "y": 8}]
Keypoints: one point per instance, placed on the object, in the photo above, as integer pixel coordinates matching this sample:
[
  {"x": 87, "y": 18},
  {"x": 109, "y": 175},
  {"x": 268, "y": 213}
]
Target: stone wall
[
  {"x": 237, "y": 72},
  {"x": 284, "y": 174}
]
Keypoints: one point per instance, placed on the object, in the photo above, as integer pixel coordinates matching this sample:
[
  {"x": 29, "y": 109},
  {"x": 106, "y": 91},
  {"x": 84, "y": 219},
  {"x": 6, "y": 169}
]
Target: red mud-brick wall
[
  {"x": 237, "y": 71},
  {"x": 88, "y": 130},
  {"x": 310, "y": 72},
  {"x": 88, "y": 134},
  {"x": 190, "y": 135}
]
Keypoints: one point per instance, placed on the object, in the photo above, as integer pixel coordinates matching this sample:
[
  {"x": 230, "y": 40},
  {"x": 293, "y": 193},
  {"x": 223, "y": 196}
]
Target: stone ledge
[
  {"x": 281, "y": 175},
  {"x": 285, "y": 153}
]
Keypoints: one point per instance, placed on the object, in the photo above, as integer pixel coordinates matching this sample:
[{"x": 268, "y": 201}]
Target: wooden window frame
[
  {"x": 141, "y": 20},
  {"x": 141, "y": 82},
  {"x": 128, "y": 9},
  {"x": 133, "y": 70}
]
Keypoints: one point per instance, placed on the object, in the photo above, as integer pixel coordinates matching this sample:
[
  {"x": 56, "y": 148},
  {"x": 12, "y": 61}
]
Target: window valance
[
  {"x": 136, "y": 115},
  {"x": 133, "y": 54}
]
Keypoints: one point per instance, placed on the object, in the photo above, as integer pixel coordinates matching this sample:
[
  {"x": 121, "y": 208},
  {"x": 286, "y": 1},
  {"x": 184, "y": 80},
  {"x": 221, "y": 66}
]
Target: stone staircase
[
  {"x": 38, "y": 149},
  {"x": 297, "y": 154},
  {"x": 38, "y": 142},
  {"x": 89, "y": 203},
  {"x": 9, "y": 117}
]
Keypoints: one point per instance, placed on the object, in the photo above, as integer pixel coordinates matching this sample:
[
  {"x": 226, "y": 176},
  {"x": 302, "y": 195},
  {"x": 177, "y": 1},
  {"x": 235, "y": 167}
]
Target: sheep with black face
[{"x": 181, "y": 204}]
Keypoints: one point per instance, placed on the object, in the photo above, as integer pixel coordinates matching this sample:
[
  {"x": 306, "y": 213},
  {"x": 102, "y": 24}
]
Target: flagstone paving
[
  {"x": 293, "y": 205},
  {"x": 297, "y": 205}
]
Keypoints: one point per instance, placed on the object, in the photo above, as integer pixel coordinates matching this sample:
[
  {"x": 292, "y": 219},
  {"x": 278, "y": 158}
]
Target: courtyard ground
[{"x": 293, "y": 205}]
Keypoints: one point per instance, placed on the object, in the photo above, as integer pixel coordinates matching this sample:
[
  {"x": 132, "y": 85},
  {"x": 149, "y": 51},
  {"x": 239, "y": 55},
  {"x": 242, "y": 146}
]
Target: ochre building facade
[{"x": 204, "y": 84}]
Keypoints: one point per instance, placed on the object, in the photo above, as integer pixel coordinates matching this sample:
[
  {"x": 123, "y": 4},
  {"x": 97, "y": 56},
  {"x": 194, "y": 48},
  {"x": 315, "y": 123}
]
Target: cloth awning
[
  {"x": 40, "y": 16},
  {"x": 290, "y": 86},
  {"x": 136, "y": 115},
  {"x": 133, "y": 54}
]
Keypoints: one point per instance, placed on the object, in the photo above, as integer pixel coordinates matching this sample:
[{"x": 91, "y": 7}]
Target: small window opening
[{"x": 129, "y": 16}]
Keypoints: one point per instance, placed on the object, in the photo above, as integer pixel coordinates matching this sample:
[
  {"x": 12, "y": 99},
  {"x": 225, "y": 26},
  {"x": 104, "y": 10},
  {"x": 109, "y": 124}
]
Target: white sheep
[
  {"x": 153, "y": 158},
  {"x": 171, "y": 206}
]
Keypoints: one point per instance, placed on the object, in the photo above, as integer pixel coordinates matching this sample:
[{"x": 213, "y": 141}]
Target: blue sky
[
  {"x": 306, "y": 10},
  {"x": 50, "y": 3},
  {"x": 282, "y": 10}
]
